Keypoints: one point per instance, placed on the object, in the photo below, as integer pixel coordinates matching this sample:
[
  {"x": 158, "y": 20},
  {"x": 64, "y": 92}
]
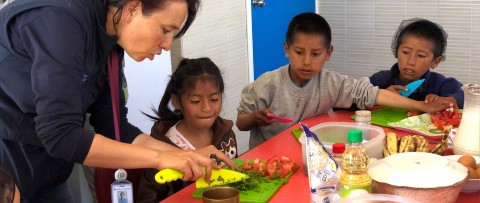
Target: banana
[
  {"x": 385, "y": 152},
  {"x": 391, "y": 142},
  {"x": 407, "y": 144},
  {"x": 424, "y": 147},
  {"x": 439, "y": 149},
  {"x": 421, "y": 144}
]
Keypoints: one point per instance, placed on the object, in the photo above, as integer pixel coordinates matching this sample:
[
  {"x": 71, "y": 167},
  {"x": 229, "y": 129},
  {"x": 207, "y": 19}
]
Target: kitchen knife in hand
[
  {"x": 218, "y": 177},
  {"x": 411, "y": 87}
]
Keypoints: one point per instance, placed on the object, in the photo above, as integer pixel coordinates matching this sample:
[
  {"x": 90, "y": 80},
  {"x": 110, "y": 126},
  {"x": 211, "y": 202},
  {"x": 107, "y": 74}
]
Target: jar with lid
[{"x": 363, "y": 117}]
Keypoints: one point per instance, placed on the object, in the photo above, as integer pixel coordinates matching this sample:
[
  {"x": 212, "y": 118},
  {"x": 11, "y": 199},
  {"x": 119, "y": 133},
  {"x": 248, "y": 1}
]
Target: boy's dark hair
[
  {"x": 7, "y": 186},
  {"x": 309, "y": 23},
  {"x": 419, "y": 27},
  {"x": 184, "y": 79}
]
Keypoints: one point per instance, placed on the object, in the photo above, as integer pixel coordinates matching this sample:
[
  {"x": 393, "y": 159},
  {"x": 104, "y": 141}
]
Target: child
[
  {"x": 195, "y": 91},
  {"x": 419, "y": 45},
  {"x": 302, "y": 89}
]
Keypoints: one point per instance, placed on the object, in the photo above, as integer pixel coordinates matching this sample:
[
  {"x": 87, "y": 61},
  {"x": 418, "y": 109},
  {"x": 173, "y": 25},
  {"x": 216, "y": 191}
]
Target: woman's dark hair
[
  {"x": 183, "y": 80},
  {"x": 150, "y": 6},
  {"x": 7, "y": 187},
  {"x": 421, "y": 28},
  {"x": 309, "y": 23}
]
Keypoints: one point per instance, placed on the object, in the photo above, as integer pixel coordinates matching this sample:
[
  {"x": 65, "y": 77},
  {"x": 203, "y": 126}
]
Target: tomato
[
  {"x": 246, "y": 166},
  {"x": 274, "y": 168},
  {"x": 448, "y": 117}
]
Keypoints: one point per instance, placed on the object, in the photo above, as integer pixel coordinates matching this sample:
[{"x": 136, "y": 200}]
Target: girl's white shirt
[{"x": 178, "y": 139}]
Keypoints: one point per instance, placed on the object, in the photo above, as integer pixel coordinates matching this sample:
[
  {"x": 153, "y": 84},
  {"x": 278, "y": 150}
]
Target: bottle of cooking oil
[{"x": 355, "y": 178}]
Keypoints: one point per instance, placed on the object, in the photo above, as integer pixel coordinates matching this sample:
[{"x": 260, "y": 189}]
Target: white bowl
[
  {"x": 473, "y": 185},
  {"x": 421, "y": 176}
]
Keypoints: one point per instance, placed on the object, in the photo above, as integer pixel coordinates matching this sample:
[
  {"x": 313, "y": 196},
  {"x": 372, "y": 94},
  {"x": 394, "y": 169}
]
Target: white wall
[{"x": 146, "y": 83}]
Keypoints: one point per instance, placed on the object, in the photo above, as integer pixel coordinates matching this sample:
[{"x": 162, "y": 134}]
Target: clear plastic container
[
  {"x": 333, "y": 132},
  {"x": 355, "y": 178}
]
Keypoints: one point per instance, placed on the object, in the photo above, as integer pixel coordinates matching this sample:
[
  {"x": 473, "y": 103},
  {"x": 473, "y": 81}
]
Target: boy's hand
[
  {"x": 261, "y": 117},
  {"x": 438, "y": 105},
  {"x": 433, "y": 97},
  {"x": 396, "y": 88}
]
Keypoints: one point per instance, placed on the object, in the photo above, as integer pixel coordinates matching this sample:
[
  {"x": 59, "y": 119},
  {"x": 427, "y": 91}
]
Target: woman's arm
[{"x": 108, "y": 153}]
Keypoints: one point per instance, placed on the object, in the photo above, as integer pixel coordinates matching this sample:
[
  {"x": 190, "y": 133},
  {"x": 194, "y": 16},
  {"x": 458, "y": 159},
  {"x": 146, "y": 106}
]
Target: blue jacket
[
  {"x": 435, "y": 83},
  {"x": 53, "y": 56}
]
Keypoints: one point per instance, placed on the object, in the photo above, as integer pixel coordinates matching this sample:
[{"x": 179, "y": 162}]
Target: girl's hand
[
  {"x": 396, "y": 88},
  {"x": 261, "y": 117}
]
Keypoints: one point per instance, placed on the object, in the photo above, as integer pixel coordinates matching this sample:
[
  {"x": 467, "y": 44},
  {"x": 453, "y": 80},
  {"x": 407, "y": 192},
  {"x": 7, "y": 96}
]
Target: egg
[
  {"x": 472, "y": 174},
  {"x": 478, "y": 171},
  {"x": 468, "y": 161}
]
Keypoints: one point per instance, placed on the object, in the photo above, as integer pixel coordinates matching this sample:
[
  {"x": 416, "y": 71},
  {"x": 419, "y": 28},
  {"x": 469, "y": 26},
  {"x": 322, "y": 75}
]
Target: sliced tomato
[{"x": 246, "y": 166}]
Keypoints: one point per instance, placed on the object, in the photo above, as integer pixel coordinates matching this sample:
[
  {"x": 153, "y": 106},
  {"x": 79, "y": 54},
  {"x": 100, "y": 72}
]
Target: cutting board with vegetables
[
  {"x": 387, "y": 115},
  {"x": 265, "y": 190}
]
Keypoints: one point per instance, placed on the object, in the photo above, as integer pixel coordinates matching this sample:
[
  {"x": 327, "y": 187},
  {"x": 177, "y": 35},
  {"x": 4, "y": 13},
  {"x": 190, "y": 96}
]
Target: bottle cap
[
  {"x": 355, "y": 135},
  {"x": 363, "y": 116},
  {"x": 338, "y": 148}
]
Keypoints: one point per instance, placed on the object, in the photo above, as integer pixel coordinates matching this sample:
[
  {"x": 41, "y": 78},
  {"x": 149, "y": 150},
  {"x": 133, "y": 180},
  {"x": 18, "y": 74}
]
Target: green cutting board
[
  {"x": 263, "y": 194},
  {"x": 387, "y": 115}
]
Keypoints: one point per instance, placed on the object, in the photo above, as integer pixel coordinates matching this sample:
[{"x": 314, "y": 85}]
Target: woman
[{"x": 53, "y": 56}]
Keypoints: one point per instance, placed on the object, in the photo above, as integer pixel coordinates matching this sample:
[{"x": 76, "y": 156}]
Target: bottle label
[{"x": 357, "y": 191}]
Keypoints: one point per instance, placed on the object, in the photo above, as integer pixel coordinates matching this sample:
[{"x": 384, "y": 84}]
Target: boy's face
[
  {"x": 307, "y": 55},
  {"x": 200, "y": 106},
  {"x": 415, "y": 58}
]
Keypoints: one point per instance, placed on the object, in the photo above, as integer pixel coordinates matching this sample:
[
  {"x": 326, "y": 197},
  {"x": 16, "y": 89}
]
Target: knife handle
[{"x": 168, "y": 175}]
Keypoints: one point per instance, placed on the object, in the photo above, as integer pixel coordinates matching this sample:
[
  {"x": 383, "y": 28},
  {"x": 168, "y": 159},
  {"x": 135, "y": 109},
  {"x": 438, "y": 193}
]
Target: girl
[{"x": 195, "y": 92}]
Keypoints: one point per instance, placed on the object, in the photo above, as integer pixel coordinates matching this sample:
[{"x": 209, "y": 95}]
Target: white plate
[{"x": 472, "y": 185}]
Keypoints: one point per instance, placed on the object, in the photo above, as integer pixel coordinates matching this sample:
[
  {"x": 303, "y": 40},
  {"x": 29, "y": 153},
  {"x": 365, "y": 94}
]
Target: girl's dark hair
[
  {"x": 419, "y": 27},
  {"x": 7, "y": 186},
  {"x": 309, "y": 23},
  {"x": 183, "y": 80},
  {"x": 150, "y": 6}
]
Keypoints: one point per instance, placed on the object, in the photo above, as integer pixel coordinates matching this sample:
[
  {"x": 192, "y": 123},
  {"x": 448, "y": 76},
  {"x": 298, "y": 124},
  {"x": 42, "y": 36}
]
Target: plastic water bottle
[
  {"x": 337, "y": 153},
  {"x": 363, "y": 117},
  {"x": 355, "y": 178}
]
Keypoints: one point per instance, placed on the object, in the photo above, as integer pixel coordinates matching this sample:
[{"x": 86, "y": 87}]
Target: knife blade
[{"x": 411, "y": 87}]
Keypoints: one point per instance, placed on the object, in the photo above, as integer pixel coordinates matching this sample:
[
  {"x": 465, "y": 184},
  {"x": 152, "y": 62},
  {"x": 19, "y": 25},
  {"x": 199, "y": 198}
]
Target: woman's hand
[
  {"x": 210, "y": 150},
  {"x": 188, "y": 162}
]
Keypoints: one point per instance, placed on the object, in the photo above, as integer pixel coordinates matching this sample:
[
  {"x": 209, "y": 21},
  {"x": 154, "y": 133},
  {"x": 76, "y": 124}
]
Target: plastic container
[
  {"x": 332, "y": 132},
  {"x": 355, "y": 178}
]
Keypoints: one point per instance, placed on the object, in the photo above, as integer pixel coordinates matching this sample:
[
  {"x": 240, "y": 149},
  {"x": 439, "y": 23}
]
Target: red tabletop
[{"x": 297, "y": 189}]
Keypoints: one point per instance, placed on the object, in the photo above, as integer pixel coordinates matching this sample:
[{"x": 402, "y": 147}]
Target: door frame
[{"x": 248, "y": 5}]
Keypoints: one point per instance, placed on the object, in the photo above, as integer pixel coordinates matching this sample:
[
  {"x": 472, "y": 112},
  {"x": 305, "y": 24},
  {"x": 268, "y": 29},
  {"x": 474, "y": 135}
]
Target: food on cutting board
[
  {"x": 409, "y": 143},
  {"x": 472, "y": 166},
  {"x": 276, "y": 169}
]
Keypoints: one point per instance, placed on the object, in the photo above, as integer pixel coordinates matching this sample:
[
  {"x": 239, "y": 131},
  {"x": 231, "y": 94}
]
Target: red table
[{"x": 297, "y": 189}]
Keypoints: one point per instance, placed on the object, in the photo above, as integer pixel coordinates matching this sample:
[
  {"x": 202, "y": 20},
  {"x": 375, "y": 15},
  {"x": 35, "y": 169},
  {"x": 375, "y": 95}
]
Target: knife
[
  {"x": 218, "y": 177},
  {"x": 411, "y": 87},
  {"x": 279, "y": 118}
]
